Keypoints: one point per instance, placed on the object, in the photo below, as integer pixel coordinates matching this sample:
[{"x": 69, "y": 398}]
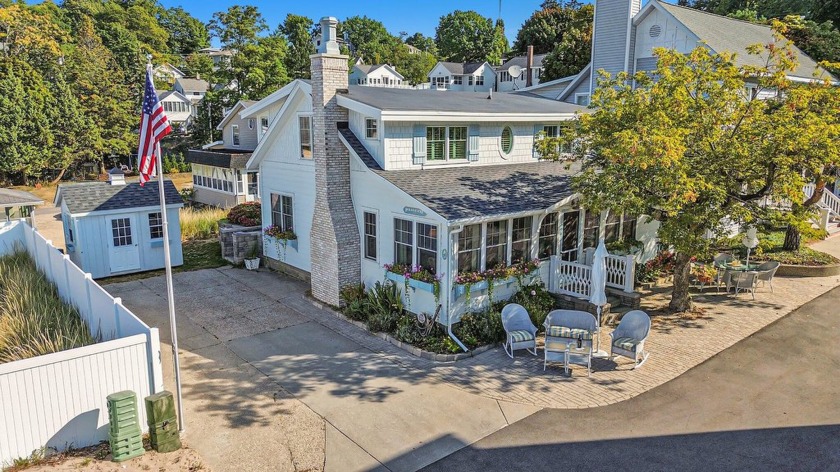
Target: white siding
[
  {"x": 247, "y": 135},
  {"x": 672, "y": 35},
  {"x": 374, "y": 146}
]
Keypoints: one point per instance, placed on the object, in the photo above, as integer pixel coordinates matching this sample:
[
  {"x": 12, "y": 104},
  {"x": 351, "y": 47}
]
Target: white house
[
  {"x": 513, "y": 74},
  {"x": 625, "y": 35},
  {"x": 463, "y": 77},
  {"x": 218, "y": 170},
  {"x": 379, "y": 75},
  {"x": 220, "y": 57},
  {"x": 192, "y": 88},
  {"x": 367, "y": 176},
  {"x": 168, "y": 73},
  {"x": 179, "y": 109},
  {"x": 115, "y": 228}
]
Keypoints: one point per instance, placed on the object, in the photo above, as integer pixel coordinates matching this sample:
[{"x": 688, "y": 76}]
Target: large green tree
[
  {"x": 186, "y": 33},
  {"x": 547, "y": 26},
  {"x": 298, "y": 33},
  {"x": 690, "y": 150},
  {"x": 574, "y": 49},
  {"x": 238, "y": 26},
  {"x": 465, "y": 36}
]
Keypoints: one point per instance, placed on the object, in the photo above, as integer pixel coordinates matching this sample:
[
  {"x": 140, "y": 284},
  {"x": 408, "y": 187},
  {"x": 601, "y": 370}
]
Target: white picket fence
[
  {"x": 59, "y": 400},
  {"x": 828, "y": 200},
  {"x": 575, "y": 279}
]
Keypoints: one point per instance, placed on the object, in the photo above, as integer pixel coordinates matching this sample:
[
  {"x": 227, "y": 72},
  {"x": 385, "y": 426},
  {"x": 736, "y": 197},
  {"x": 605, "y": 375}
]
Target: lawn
[
  {"x": 198, "y": 254},
  {"x": 771, "y": 248}
]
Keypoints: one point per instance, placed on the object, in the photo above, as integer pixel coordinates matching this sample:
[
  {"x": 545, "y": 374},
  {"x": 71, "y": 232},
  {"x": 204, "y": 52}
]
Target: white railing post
[
  {"x": 552, "y": 274},
  {"x": 629, "y": 273}
]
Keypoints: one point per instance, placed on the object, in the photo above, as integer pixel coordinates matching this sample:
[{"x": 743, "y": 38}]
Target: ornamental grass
[
  {"x": 200, "y": 223},
  {"x": 33, "y": 319}
]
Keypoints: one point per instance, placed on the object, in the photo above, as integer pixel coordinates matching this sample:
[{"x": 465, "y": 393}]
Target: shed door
[{"x": 124, "y": 253}]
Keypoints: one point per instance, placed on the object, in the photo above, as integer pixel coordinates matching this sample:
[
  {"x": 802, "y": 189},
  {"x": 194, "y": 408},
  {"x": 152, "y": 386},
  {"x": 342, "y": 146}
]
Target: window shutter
[
  {"x": 419, "y": 156},
  {"x": 537, "y": 130},
  {"x": 474, "y": 135}
]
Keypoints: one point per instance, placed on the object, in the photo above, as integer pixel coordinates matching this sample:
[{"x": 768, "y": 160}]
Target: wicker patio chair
[
  {"x": 767, "y": 271},
  {"x": 744, "y": 282},
  {"x": 521, "y": 332},
  {"x": 628, "y": 339}
]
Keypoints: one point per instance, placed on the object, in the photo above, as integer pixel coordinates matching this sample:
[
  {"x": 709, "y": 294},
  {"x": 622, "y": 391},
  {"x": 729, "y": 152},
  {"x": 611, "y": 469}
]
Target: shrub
[
  {"x": 200, "y": 223},
  {"x": 537, "y": 300},
  {"x": 355, "y": 299},
  {"x": 246, "y": 214},
  {"x": 480, "y": 328},
  {"x": 384, "y": 307},
  {"x": 33, "y": 319},
  {"x": 174, "y": 163}
]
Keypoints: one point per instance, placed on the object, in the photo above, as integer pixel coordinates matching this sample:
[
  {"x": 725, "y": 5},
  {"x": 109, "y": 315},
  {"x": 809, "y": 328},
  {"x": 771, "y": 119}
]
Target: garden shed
[
  {"x": 115, "y": 228},
  {"x": 19, "y": 204}
]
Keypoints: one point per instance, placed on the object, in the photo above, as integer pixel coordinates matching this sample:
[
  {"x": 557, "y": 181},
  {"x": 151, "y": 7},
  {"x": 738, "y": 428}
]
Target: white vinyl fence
[{"x": 58, "y": 400}]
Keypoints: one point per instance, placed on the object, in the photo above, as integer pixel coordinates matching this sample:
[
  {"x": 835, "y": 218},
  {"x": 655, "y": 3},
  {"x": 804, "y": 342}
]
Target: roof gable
[
  {"x": 102, "y": 196},
  {"x": 299, "y": 87}
]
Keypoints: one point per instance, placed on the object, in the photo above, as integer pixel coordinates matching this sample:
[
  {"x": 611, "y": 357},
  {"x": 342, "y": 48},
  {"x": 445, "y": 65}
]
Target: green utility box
[
  {"x": 124, "y": 433},
  {"x": 163, "y": 423}
]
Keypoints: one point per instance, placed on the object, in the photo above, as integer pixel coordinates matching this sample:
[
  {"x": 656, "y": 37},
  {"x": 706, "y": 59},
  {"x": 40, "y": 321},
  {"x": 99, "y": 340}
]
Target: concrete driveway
[
  {"x": 272, "y": 382},
  {"x": 768, "y": 403}
]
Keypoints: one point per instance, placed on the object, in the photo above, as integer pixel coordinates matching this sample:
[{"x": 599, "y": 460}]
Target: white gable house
[
  {"x": 380, "y": 75},
  {"x": 356, "y": 178},
  {"x": 463, "y": 77},
  {"x": 179, "y": 109}
]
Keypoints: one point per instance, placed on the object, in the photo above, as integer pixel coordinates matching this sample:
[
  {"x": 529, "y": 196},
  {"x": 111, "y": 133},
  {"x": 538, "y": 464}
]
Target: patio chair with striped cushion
[
  {"x": 628, "y": 339},
  {"x": 521, "y": 332}
]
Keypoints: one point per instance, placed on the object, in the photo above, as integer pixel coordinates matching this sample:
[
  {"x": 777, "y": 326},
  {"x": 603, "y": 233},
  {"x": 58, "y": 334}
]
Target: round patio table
[{"x": 729, "y": 268}]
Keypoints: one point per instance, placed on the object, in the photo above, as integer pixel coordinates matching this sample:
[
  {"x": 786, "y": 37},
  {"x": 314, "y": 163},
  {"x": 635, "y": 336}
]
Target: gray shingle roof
[
  {"x": 195, "y": 85},
  {"x": 227, "y": 159},
  {"x": 394, "y": 99},
  {"x": 102, "y": 196},
  {"x": 476, "y": 191},
  {"x": 461, "y": 68},
  {"x": 724, "y": 34},
  {"x": 13, "y": 198}
]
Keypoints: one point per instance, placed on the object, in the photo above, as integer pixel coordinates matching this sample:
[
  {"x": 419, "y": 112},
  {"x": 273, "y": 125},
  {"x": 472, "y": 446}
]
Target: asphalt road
[{"x": 771, "y": 402}]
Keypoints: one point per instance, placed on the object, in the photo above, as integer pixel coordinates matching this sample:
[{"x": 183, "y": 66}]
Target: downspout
[{"x": 449, "y": 283}]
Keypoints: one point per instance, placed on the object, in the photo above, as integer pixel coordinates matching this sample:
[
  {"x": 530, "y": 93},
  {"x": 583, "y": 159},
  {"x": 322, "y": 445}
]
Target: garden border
[{"x": 828, "y": 270}]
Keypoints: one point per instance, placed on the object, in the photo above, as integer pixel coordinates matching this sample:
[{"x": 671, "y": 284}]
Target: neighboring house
[
  {"x": 463, "y": 77},
  {"x": 168, "y": 73},
  {"x": 18, "y": 204},
  {"x": 625, "y": 35},
  {"x": 115, "y": 228},
  {"x": 507, "y": 82},
  {"x": 192, "y": 88},
  {"x": 179, "y": 109},
  {"x": 450, "y": 182},
  {"x": 220, "y": 57},
  {"x": 219, "y": 177},
  {"x": 380, "y": 75}
]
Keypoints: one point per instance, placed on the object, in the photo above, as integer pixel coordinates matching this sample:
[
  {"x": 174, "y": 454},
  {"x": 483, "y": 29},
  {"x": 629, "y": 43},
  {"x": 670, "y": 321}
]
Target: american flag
[{"x": 154, "y": 125}]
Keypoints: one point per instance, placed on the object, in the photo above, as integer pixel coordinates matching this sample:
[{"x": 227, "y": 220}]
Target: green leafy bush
[
  {"x": 804, "y": 256},
  {"x": 174, "y": 163},
  {"x": 385, "y": 307},
  {"x": 355, "y": 299},
  {"x": 476, "y": 329},
  {"x": 246, "y": 214},
  {"x": 537, "y": 300}
]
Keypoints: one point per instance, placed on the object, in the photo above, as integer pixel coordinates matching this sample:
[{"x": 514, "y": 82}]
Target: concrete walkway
[{"x": 769, "y": 403}]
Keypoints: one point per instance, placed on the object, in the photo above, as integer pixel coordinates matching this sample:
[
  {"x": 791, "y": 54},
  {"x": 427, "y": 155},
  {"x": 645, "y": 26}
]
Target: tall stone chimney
[
  {"x": 612, "y": 31},
  {"x": 335, "y": 246}
]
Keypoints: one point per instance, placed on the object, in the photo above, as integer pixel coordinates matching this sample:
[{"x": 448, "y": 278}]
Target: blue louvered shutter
[
  {"x": 419, "y": 154},
  {"x": 473, "y": 143},
  {"x": 537, "y": 130}
]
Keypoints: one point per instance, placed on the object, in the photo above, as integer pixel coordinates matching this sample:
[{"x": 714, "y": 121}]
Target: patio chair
[
  {"x": 744, "y": 282},
  {"x": 564, "y": 327},
  {"x": 766, "y": 271},
  {"x": 722, "y": 277},
  {"x": 521, "y": 332},
  {"x": 628, "y": 339}
]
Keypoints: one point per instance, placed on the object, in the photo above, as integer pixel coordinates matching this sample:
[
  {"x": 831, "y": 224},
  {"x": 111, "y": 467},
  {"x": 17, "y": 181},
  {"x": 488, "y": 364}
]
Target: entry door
[
  {"x": 124, "y": 253},
  {"x": 570, "y": 222}
]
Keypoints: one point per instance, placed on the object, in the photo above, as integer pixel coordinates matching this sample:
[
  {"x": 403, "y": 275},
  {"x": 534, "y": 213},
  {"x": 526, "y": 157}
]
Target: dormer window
[{"x": 371, "y": 130}]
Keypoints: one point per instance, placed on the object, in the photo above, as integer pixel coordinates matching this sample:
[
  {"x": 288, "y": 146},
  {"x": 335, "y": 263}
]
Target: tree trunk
[
  {"x": 681, "y": 298},
  {"x": 60, "y": 176},
  {"x": 793, "y": 239}
]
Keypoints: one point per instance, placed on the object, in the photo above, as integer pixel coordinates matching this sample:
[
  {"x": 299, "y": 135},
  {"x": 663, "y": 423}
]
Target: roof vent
[
  {"x": 116, "y": 176},
  {"x": 655, "y": 31}
]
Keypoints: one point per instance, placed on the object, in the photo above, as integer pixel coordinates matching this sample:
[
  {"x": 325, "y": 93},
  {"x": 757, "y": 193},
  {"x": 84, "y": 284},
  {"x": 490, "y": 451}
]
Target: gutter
[{"x": 449, "y": 283}]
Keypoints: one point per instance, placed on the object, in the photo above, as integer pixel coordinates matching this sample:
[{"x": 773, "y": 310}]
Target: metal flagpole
[{"x": 170, "y": 295}]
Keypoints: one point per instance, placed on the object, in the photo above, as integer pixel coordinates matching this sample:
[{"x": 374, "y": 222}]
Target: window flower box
[
  {"x": 461, "y": 289},
  {"x": 416, "y": 284}
]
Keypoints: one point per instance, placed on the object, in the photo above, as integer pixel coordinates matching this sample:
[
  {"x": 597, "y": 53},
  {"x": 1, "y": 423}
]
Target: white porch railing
[
  {"x": 572, "y": 278},
  {"x": 828, "y": 200}
]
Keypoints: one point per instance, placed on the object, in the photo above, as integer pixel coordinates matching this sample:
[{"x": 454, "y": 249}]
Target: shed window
[
  {"x": 479, "y": 80},
  {"x": 235, "y": 131},
  {"x": 121, "y": 232},
  {"x": 155, "y": 225},
  {"x": 403, "y": 241},
  {"x": 264, "y": 124},
  {"x": 370, "y": 235},
  {"x": 251, "y": 123},
  {"x": 458, "y": 80},
  {"x": 469, "y": 249},
  {"x": 305, "y": 124},
  {"x": 507, "y": 140}
]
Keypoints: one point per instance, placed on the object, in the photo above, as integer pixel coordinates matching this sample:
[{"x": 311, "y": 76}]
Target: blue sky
[{"x": 409, "y": 16}]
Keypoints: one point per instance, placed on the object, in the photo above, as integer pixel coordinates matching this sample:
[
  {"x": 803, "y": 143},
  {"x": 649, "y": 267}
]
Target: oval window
[{"x": 507, "y": 140}]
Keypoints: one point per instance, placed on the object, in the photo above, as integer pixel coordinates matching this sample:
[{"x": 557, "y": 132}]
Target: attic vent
[{"x": 655, "y": 31}]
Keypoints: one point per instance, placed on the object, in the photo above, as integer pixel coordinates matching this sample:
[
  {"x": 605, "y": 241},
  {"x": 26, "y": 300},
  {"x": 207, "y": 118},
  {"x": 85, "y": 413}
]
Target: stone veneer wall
[
  {"x": 335, "y": 242},
  {"x": 236, "y": 241}
]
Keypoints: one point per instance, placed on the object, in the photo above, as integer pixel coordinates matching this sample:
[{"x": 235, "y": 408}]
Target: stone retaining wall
[
  {"x": 237, "y": 241},
  {"x": 808, "y": 271}
]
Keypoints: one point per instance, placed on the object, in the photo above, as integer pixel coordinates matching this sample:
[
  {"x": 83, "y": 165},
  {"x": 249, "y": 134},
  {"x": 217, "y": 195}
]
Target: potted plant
[{"x": 252, "y": 259}]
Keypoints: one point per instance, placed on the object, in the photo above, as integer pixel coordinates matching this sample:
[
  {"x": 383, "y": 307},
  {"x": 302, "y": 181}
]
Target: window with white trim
[
  {"x": 612, "y": 225},
  {"x": 582, "y": 99},
  {"x": 469, "y": 249},
  {"x": 521, "y": 239},
  {"x": 371, "y": 130},
  {"x": 234, "y": 129},
  {"x": 282, "y": 212},
  {"x": 458, "y": 80},
  {"x": 471, "y": 80},
  {"x": 251, "y": 123},
  {"x": 263, "y": 124},
  {"x": 547, "y": 241},
  {"x": 507, "y": 140},
  {"x": 305, "y": 125},
  {"x": 444, "y": 143},
  {"x": 591, "y": 229},
  {"x": 403, "y": 241},
  {"x": 496, "y": 244},
  {"x": 427, "y": 244},
  {"x": 121, "y": 232},
  {"x": 370, "y": 235},
  {"x": 554, "y": 131},
  {"x": 479, "y": 80},
  {"x": 155, "y": 225}
]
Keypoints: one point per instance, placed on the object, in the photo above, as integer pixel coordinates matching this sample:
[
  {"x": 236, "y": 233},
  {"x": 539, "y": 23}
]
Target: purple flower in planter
[{"x": 533, "y": 293}]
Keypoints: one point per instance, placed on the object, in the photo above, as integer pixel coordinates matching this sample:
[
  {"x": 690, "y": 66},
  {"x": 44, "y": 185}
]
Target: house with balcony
[
  {"x": 218, "y": 170},
  {"x": 379, "y": 75},
  {"x": 355, "y": 179},
  {"x": 463, "y": 77}
]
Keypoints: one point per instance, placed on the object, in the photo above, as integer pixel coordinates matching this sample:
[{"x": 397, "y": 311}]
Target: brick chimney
[
  {"x": 529, "y": 63},
  {"x": 335, "y": 243}
]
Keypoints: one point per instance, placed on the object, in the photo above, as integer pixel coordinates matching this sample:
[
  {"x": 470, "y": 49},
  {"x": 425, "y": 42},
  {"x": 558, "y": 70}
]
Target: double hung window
[{"x": 282, "y": 212}]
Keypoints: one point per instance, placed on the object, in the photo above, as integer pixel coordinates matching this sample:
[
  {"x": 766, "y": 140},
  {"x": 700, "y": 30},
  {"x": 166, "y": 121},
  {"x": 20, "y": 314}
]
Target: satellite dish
[{"x": 515, "y": 71}]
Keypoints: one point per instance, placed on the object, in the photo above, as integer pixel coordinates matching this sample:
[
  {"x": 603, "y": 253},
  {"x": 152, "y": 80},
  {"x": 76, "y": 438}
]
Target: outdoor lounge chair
[
  {"x": 766, "y": 271},
  {"x": 722, "y": 277},
  {"x": 628, "y": 339},
  {"x": 521, "y": 332},
  {"x": 744, "y": 282},
  {"x": 564, "y": 327}
]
